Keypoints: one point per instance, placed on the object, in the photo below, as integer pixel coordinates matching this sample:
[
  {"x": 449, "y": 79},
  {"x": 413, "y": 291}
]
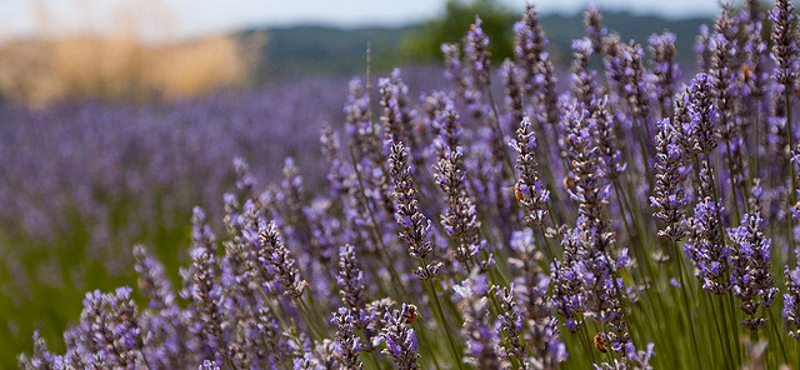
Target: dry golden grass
[{"x": 122, "y": 63}]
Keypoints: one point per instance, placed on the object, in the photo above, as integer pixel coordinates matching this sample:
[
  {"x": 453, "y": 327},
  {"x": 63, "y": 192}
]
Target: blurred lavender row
[
  {"x": 82, "y": 181},
  {"x": 81, "y": 160}
]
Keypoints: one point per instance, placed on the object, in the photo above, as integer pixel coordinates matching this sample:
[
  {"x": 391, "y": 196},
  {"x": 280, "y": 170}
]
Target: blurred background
[
  {"x": 133, "y": 50},
  {"x": 118, "y": 116}
]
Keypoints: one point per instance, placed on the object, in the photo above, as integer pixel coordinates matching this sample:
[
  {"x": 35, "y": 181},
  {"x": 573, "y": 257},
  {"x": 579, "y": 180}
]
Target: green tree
[{"x": 424, "y": 43}]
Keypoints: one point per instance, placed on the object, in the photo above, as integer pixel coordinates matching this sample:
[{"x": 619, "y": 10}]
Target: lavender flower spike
[
  {"x": 582, "y": 84},
  {"x": 41, "y": 359},
  {"x": 669, "y": 198},
  {"x": 478, "y": 329},
  {"x": 593, "y": 24},
  {"x": 530, "y": 289},
  {"x": 665, "y": 69},
  {"x": 476, "y": 50},
  {"x": 396, "y": 119},
  {"x": 703, "y": 114},
  {"x": 530, "y": 192},
  {"x": 415, "y": 226},
  {"x": 791, "y": 299},
  {"x": 201, "y": 286},
  {"x": 351, "y": 280},
  {"x": 784, "y": 42},
  {"x": 347, "y": 345},
  {"x": 751, "y": 280},
  {"x": 278, "y": 257},
  {"x": 110, "y": 330},
  {"x": 706, "y": 248},
  {"x": 401, "y": 342},
  {"x": 538, "y": 72}
]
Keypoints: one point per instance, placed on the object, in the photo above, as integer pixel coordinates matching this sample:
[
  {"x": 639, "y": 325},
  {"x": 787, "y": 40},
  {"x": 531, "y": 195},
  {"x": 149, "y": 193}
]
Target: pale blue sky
[{"x": 193, "y": 17}]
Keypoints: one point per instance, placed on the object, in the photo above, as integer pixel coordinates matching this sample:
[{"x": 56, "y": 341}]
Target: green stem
[
  {"x": 279, "y": 316},
  {"x": 778, "y": 335},
  {"x": 792, "y": 196},
  {"x": 683, "y": 288},
  {"x": 378, "y": 235},
  {"x": 507, "y": 163},
  {"x": 733, "y": 188},
  {"x": 440, "y": 313}
]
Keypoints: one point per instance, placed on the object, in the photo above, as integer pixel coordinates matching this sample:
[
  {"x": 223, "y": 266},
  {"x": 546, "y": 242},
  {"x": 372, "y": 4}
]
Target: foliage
[{"x": 423, "y": 44}]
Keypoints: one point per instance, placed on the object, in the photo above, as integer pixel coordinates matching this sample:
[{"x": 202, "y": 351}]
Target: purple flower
[
  {"x": 109, "y": 330},
  {"x": 401, "y": 342},
  {"x": 669, "y": 197},
  {"x": 595, "y": 30},
  {"x": 791, "y": 299},
  {"x": 530, "y": 289},
  {"x": 351, "y": 282},
  {"x": 706, "y": 248},
  {"x": 701, "y": 48},
  {"x": 751, "y": 279},
  {"x": 703, "y": 114},
  {"x": 476, "y": 50},
  {"x": 396, "y": 118},
  {"x": 530, "y": 45},
  {"x": 784, "y": 43},
  {"x": 42, "y": 358},
  {"x": 665, "y": 69},
  {"x": 514, "y": 88},
  {"x": 530, "y": 192},
  {"x": 277, "y": 256},
  {"x": 480, "y": 332},
  {"x": 347, "y": 345},
  {"x": 415, "y": 226},
  {"x": 582, "y": 79}
]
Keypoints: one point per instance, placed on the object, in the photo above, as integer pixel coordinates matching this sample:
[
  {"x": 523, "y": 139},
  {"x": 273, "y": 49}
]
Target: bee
[
  {"x": 747, "y": 73},
  {"x": 569, "y": 182},
  {"x": 411, "y": 314},
  {"x": 518, "y": 193},
  {"x": 600, "y": 342}
]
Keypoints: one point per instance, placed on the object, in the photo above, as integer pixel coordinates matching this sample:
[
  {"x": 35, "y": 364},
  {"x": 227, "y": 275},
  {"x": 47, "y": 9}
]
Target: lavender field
[{"x": 626, "y": 213}]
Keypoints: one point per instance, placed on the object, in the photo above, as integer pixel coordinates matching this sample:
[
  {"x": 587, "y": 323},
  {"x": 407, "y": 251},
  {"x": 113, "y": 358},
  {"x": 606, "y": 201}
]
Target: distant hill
[{"x": 303, "y": 50}]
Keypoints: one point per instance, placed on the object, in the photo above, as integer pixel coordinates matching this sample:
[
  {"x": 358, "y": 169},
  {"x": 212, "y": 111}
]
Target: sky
[{"x": 188, "y": 18}]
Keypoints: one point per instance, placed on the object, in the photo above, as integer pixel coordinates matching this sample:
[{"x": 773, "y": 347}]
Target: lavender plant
[{"x": 634, "y": 223}]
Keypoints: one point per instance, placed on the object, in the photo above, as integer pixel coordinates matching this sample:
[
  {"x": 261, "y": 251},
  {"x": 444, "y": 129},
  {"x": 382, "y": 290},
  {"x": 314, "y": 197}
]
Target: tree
[{"x": 424, "y": 44}]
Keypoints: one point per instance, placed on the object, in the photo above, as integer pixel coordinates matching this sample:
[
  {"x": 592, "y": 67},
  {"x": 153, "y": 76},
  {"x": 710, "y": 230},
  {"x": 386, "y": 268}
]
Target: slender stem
[
  {"x": 723, "y": 342},
  {"x": 146, "y": 363},
  {"x": 423, "y": 336},
  {"x": 318, "y": 331},
  {"x": 378, "y": 235},
  {"x": 733, "y": 188},
  {"x": 584, "y": 337},
  {"x": 369, "y": 81},
  {"x": 643, "y": 146},
  {"x": 793, "y": 195},
  {"x": 686, "y": 301},
  {"x": 279, "y": 316},
  {"x": 727, "y": 333},
  {"x": 509, "y": 166},
  {"x": 757, "y": 125},
  {"x": 438, "y": 307},
  {"x": 547, "y": 251},
  {"x": 778, "y": 335},
  {"x": 639, "y": 248}
]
